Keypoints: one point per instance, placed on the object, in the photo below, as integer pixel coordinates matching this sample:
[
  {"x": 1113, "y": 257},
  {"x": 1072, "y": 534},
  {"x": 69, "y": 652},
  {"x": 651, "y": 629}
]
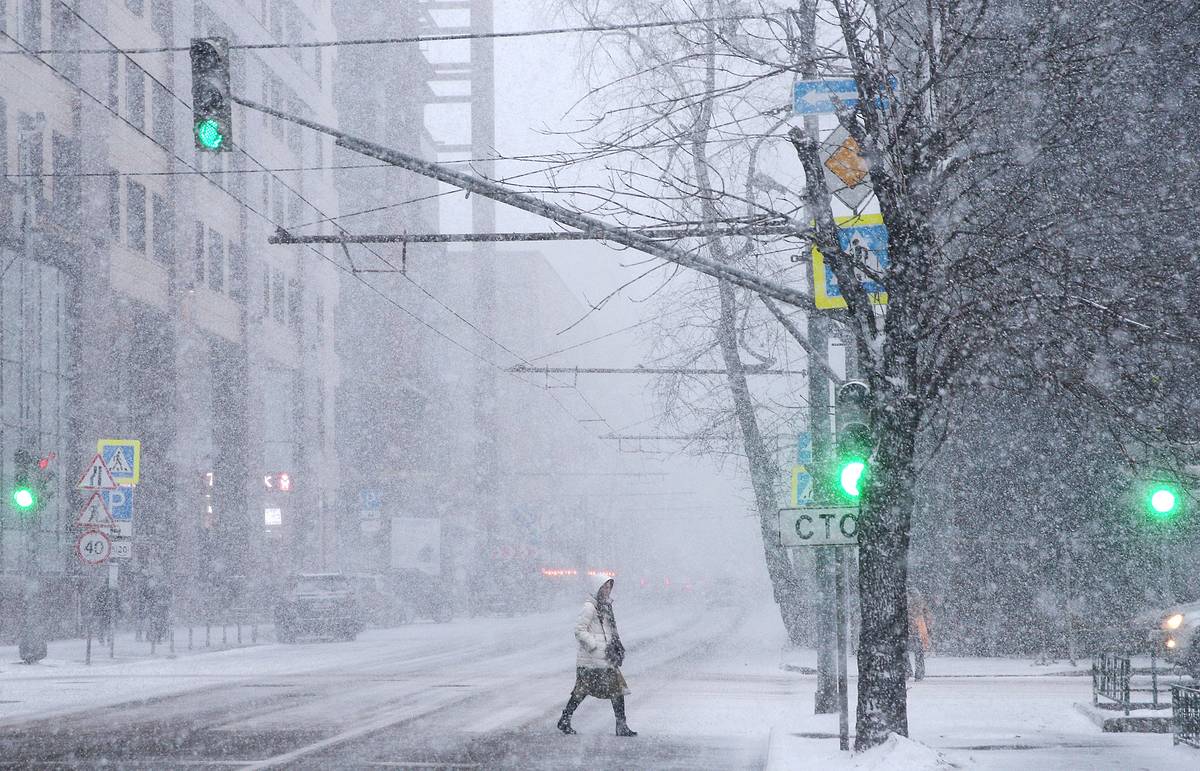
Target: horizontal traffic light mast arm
[{"x": 582, "y": 222}]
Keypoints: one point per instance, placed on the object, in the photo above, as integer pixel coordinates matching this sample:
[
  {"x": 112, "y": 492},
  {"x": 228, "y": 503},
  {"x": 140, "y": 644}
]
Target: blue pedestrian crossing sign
[
  {"x": 865, "y": 236},
  {"x": 123, "y": 458}
]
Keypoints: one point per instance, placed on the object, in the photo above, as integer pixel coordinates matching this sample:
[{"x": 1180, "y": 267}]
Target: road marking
[
  {"x": 406, "y": 764},
  {"x": 384, "y": 720}
]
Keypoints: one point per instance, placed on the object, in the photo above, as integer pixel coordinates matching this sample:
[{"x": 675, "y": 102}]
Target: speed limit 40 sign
[{"x": 93, "y": 547}]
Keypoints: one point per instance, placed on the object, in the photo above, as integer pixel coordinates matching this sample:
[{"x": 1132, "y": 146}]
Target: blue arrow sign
[{"x": 813, "y": 97}]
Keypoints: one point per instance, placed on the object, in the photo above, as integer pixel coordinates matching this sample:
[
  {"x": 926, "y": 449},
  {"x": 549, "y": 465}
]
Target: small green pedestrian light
[
  {"x": 208, "y": 134},
  {"x": 851, "y": 474},
  {"x": 23, "y": 498},
  {"x": 1163, "y": 501}
]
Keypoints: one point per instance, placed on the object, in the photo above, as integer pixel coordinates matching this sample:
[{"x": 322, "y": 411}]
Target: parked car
[
  {"x": 380, "y": 603},
  {"x": 424, "y": 596},
  {"x": 318, "y": 605},
  {"x": 1175, "y": 632}
]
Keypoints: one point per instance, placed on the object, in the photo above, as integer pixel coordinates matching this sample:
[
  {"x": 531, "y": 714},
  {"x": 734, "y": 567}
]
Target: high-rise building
[{"x": 140, "y": 298}]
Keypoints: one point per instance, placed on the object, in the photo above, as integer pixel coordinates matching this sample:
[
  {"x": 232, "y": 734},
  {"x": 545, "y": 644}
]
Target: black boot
[
  {"x": 619, "y": 710},
  {"x": 564, "y": 722}
]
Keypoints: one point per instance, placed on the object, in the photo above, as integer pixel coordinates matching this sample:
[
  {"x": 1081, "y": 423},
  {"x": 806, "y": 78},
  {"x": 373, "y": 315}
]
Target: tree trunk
[
  {"x": 783, "y": 578},
  {"x": 883, "y": 577}
]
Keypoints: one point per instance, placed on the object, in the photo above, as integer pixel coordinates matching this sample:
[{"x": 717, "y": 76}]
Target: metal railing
[
  {"x": 1110, "y": 679},
  {"x": 1185, "y": 715}
]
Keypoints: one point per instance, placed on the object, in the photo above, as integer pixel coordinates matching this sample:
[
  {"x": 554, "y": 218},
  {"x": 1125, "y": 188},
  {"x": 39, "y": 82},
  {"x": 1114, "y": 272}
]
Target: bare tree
[{"x": 974, "y": 275}]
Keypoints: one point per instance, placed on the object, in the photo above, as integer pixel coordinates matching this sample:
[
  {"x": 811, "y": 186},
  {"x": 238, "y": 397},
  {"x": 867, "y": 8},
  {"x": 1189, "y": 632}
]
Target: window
[
  {"x": 277, "y": 297},
  {"x": 63, "y": 36},
  {"x": 135, "y": 94},
  {"x": 114, "y": 205},
  {"x": 3, "y": 120},
  {"x": 160, "y": 18},
  {"x": 319, "y": 316},
  {"x": 237, "y": 272},
  {"x": 68, "y": 200},
  {"x": 164, "y": 232},
  {"x": 162, "y": 114},
  {"x": 135, "y": 215},
  {"x": 198, "y": 255},
  {"x": 114, "y": 66},
  {"x": 31, "y": 23},
  {"x": 266, "y": 307},
  {"x": 31, "y": 158},
  {"x": 295, "y": 295},
  {"x": 216, "y": 261}
]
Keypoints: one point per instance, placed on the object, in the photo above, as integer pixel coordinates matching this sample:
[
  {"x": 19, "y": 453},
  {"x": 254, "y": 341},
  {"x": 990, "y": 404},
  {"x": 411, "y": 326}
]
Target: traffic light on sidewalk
[
  {"x": 853, "y": 439},
  {"x": 25, "y": 489},
  {"x": 212, "y": 109},
  {"x": 1163, "y": 500}
]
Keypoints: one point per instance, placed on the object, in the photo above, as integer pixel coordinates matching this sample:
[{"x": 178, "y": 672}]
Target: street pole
[
  {"x": 825, "y": 700},
  {"x": 842, "y": 680}
]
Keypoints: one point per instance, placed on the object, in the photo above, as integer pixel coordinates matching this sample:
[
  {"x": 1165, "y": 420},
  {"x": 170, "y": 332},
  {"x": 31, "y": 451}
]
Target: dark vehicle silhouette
[{"x": 318, "y": 605}]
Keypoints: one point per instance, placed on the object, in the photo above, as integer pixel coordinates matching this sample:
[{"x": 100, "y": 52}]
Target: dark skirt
[{"x": 599, "y": 682}]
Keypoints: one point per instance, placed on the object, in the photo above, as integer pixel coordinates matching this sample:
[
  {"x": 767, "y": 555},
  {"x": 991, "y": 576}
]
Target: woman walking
[{"x": 597, "y": 665}]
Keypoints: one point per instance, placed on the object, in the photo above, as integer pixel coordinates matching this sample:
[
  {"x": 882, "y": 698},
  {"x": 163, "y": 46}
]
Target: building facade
[{"x": 140, "y": 298}]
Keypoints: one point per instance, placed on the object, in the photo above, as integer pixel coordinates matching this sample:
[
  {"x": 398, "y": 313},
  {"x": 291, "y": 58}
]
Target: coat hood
[{"x": 596, "y": 582}]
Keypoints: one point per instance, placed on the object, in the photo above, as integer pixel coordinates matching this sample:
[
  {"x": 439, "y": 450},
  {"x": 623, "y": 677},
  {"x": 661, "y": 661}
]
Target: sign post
[{"x": 836, "y": 528}]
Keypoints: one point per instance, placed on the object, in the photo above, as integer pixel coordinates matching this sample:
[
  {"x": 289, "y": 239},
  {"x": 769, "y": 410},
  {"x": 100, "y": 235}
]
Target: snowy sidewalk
[
  {"x": 986, "y": 712},
  {"x": 126, "y": 647},
  {"x": 804, "y": 661}
]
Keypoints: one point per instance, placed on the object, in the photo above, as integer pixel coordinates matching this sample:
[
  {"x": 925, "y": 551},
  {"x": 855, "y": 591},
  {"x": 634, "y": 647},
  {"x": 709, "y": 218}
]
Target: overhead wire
[
  {"x": 321, "y": 213},
  {"x": 63, "y": 76},
  {"x": 445, "y": 37}
]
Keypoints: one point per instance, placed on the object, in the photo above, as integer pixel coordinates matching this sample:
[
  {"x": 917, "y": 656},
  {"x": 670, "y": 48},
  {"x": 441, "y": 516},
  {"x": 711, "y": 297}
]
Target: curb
[{"x": 1110, "y": 721}]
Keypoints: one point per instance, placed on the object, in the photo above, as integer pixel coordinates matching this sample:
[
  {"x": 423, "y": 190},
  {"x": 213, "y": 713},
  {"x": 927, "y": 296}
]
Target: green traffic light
[
  {"x": 850, "y": 476},
  {"x": 23, "y": 498},
  {"x": 1163, "y": 501},
  {"x": 208, "y": 133}
]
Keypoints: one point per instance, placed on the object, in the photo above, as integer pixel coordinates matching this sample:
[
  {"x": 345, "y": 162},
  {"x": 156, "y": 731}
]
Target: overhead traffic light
[
  {"x": 212, "y": 109},
  {"x": 853, "y": 439}
]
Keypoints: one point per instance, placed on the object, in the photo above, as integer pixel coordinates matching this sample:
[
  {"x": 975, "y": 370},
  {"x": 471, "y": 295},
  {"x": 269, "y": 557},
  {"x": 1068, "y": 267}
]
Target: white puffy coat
[{"x": 593, "y": 631}]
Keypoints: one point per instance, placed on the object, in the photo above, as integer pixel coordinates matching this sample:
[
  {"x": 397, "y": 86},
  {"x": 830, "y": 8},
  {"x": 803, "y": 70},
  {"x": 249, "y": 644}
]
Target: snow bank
[
  {"x": 900, "y": 752},
  {"x": 796, "y": 752}
]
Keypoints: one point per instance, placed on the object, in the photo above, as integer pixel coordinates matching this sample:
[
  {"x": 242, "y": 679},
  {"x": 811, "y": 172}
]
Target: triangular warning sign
[
  {"x": 97, "y": 476},
  {"x": 117, "y": 463},
  {"x": 94, "y": 513}
]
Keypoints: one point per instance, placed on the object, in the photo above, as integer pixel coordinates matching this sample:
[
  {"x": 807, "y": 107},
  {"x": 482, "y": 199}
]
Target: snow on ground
[{"x": 711, "y": 687}]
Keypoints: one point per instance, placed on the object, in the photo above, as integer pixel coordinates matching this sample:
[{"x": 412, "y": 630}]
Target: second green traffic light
[
  {"x": 1163, "y": 501},
  {"x": 854, "y": 440},
  {"x": 850, "y": 475}
]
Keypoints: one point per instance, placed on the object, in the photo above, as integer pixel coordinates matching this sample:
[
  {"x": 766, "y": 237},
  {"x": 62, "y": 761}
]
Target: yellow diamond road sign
[
  {"x": 847, "y": 172},
  {"x": 847, "y": 163}
]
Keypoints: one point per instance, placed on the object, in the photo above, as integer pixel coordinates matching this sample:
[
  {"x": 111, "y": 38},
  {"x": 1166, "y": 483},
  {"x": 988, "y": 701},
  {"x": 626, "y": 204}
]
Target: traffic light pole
[{"x": 825, "y": 699}]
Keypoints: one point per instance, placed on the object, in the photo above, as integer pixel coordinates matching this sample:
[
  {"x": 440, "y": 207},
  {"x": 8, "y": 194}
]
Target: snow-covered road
[{"x": 708, "y": 692}]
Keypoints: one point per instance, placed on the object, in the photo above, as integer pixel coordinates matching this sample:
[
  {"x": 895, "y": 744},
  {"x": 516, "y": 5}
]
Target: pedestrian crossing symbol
[
  {"x": 123, "y": 458},
  {"x": 94, "y": 513}
]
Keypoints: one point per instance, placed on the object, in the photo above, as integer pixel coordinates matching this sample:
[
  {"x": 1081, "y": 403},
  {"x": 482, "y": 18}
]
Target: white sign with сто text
[{"x": 819, "y": 526}]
